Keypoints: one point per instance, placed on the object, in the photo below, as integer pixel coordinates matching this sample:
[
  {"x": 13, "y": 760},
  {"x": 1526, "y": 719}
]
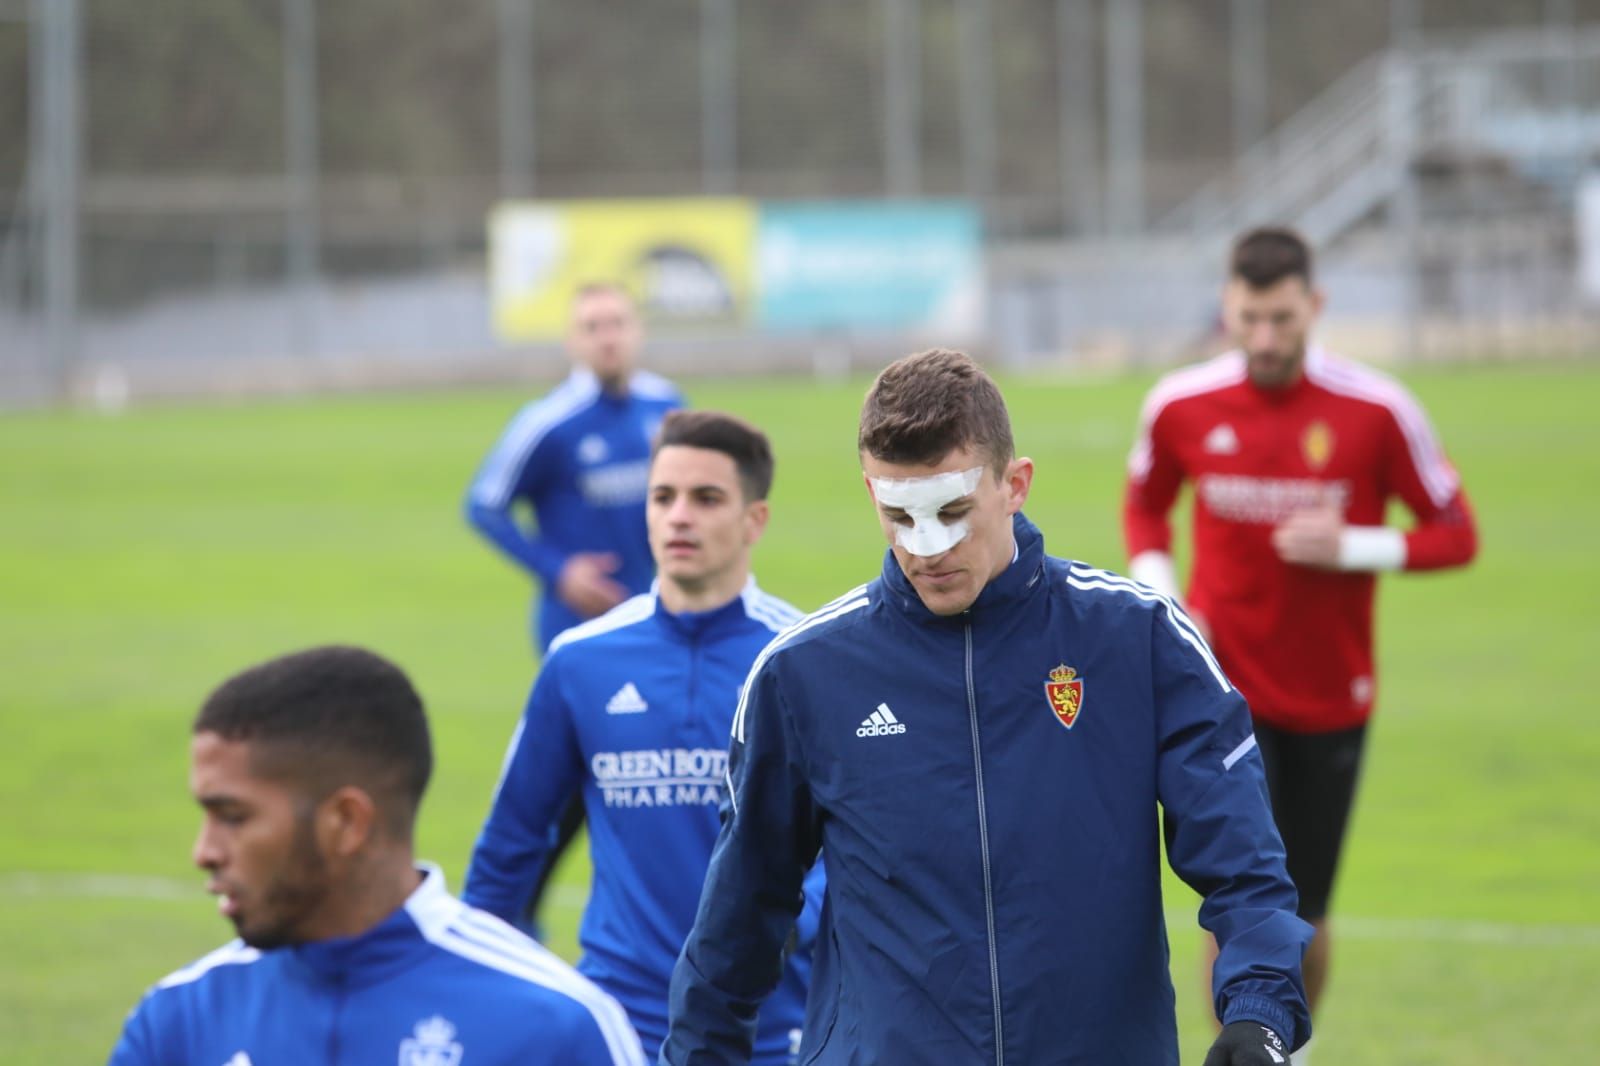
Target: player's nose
[{"x": 207, "y": 850}]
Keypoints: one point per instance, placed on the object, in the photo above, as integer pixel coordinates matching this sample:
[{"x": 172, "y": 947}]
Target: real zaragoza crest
[
  {"x": 1065, "y": 693},
  {"x": 1316, "y": 444}
]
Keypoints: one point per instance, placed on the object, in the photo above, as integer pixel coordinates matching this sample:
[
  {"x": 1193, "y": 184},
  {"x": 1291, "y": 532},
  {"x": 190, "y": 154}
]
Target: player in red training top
[{"x": 1293, "y": 454}]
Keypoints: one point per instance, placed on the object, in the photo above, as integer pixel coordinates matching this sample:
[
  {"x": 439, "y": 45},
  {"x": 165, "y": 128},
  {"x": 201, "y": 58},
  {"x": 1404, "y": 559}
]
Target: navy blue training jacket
[
  {"x": 633, "y": 708},
  {"x": 986, "y": 787},
  {"x": 435, "y": 982}
]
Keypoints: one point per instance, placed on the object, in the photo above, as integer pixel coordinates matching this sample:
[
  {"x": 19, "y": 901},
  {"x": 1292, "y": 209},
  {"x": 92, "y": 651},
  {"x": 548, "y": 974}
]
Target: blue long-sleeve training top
[
  {"x": 435, "y": 982},
  {"x": 985, "y": 787},
  {"x": 580, "y": 458},
  {"x": 634, "y": 709}
]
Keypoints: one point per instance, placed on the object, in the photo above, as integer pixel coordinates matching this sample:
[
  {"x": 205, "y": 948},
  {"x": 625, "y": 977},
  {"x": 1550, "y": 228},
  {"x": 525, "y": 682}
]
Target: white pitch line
[
  {"x": 1442, "y": 931},
  {"x": 25, "y": 885},
  {"x": 134, "y": 887},
  {"x": 1467, "y": 932}
]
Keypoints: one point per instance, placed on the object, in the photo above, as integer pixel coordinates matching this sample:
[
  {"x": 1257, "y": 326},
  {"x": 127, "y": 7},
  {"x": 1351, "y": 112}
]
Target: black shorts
[{"x": 1311, "y": 778}]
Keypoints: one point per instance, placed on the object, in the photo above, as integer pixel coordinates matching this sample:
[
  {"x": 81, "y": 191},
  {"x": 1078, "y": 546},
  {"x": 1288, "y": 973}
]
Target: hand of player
[
  {"x": 1247, "y": 1044},
  {"x": 1201, "y": 624},
  {"x": 586, "y": 586},
  {"x": 1310, "y": 536}
]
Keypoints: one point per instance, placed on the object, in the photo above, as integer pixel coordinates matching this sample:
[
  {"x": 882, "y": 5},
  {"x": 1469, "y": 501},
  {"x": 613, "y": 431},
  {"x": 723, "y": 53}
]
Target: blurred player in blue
[
  {"x": 633, "y": 709},
  {"x": 309, "y": 769},
  {"x": 578, "y": 458}
]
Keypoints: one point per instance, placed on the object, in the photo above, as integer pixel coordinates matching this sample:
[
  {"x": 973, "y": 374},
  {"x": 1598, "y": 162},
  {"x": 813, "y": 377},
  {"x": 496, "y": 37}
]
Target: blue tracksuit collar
[
  {"x": 1017, "y": 582},
  {"x": 699, "y": 625},
  {"x": 585, "y": 379},
  {"x": 392, "y": 944}
]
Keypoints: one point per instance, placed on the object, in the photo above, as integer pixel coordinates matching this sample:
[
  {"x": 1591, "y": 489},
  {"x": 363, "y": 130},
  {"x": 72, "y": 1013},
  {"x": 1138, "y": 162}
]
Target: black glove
[{"x": 1247, "y": 1044}]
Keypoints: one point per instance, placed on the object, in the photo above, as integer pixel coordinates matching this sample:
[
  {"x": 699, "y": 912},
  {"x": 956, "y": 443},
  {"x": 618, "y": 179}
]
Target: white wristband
[
  {"x": 1154, "y": 568},
  {"x": 1372, "y": 548}
]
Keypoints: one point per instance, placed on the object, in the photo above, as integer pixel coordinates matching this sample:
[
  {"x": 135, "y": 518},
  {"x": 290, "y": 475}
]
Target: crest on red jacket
[
  {"x": 1064, "y": 690},
  {"x": 1317, "y": 445}
]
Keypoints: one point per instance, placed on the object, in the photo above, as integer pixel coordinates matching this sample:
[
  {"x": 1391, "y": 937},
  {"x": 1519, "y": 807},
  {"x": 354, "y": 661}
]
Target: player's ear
[
  {"x": 1016, "y": 483},
  {"x": 756, "y": 516},
  {"x": 1319, "y": 299},
  {"x": 345, "y": 821}
]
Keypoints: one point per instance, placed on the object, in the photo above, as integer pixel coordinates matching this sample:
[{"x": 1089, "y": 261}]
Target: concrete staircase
[{"x": 1517, "y": 97}]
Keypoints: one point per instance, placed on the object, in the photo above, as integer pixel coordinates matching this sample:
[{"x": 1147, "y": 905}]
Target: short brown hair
[
  {"x": 923, "y": 407},
  {"x": 746, "y": 445},
  {"x": 327, "y": 717},
  {"x": 1264, "y": 256}
]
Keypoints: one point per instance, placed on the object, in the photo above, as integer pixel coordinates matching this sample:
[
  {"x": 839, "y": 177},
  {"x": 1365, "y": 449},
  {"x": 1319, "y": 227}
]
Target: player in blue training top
[
  {"x": 979, "y": 740},
  {"x": 579, "y": 458},
  {"x": 309, "y": 769},
  {"x": 633, "y": 709}
]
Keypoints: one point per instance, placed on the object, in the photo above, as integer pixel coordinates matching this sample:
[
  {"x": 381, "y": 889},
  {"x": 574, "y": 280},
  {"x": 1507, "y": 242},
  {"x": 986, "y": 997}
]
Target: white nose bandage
[{"x": 922, "y": 498}]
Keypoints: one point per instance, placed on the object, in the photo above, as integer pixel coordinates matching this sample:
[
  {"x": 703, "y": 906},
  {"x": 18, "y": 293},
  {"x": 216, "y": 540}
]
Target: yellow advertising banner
[{"x": 687, "y": 262}]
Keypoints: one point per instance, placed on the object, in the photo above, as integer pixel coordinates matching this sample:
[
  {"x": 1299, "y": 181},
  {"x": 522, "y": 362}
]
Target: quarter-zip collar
[
  {"x": 587, "y": 379},
  {"x": 689, "y": 626},
  {"x": 1284, "y": 395},
  {"x": 387, "y": 947}
]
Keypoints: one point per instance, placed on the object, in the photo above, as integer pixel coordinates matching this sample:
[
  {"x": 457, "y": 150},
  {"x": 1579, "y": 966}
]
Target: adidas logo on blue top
[
  {"x": 627, "y": 701},
  {"x": 880, "y": 723}
]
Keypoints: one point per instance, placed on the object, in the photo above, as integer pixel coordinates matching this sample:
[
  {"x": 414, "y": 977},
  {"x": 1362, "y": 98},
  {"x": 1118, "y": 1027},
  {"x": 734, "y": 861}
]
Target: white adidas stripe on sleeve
[
  {"x": 498, "y": 477},
  {"x": 835, "y": 609},
  {"x": 480, "y": 937},
  {"x": 1340, "y": 376},
  {"x": 628, "y": 612},
  {"x": 1088, "y": 578},
  {"x": 1224, "y": 370},
  {"x": 233, "y": 953}
]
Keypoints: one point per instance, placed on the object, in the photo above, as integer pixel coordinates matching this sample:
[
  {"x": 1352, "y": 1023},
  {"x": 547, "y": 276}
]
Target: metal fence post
[
  {"x": 902, "y": 97},
  {"x": 1561, "y": 82},
  {"x": 302, "y": 224},
  {"x": 1248, "y": 72},
  {"x": 1081, "y": 205},
  {"x": 516, "y": 87},
  {"x": 1125, "y": 116},
  {"x": 976, "y": 44},
  {"x": 718, "y": 103},
  {"x": 1405, "y": 212},
  {"x": 55, "y": 176}
]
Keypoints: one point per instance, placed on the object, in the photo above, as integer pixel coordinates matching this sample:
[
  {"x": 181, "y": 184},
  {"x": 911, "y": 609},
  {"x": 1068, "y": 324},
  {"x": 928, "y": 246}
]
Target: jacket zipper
[
  {"x": 694, "y": 672},
  {"x": 983, "y": 845}
]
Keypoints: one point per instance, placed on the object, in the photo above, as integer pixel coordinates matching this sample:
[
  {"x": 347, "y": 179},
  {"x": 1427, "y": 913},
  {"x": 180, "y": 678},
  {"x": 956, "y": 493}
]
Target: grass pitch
[{"x": 145, "y": 557}]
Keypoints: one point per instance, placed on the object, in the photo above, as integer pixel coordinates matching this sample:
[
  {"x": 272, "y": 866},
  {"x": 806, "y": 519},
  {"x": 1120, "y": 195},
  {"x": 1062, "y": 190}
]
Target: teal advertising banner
[{"x": 870, "y": 265}]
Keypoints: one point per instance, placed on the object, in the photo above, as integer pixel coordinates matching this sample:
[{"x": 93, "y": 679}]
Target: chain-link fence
[{"x": 218, "y": 183}]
